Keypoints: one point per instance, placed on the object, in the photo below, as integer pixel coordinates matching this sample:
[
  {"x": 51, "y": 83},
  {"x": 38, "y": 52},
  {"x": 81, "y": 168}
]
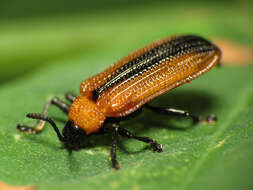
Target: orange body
[{"x": 139, "y": 77}]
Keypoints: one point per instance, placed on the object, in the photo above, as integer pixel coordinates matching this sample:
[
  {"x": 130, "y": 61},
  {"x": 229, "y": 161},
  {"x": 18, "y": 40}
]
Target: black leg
[
  {"x": 154, "y": 145},
  {"x": 113, "y": 157},
  {"x": 40, "y": 124},
  {"x": 117, "y": 130},
  {"x": 70, "y": 97},
  {"x": 169, "y": 111},
  {"x": 42, "y": 117}
]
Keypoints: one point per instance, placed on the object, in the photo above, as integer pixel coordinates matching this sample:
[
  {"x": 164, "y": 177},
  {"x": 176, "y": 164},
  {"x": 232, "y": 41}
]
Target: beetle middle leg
[
  {"x": 70, "y": 97},
  {"x": 153, "y": 144},
  {"x": 113, "y": 157},
  {"x": 40, "y": 124},
  {"x": 170, "y": 111},
  {"x": 117, "y": 130}
]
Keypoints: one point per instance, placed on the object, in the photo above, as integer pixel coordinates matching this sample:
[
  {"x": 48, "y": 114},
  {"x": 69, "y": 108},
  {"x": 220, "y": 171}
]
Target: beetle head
[{"x": 73, "y": 136}]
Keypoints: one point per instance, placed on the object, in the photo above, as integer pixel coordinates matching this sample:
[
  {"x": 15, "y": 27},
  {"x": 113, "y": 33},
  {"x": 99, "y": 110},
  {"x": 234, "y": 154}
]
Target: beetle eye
[
  {"x": 73, "y": 136},
  {"x": 68, "y": 129}
]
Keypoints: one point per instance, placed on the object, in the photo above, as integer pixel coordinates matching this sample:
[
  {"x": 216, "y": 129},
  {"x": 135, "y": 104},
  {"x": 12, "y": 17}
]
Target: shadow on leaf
[{"x": 197, "y": 102}]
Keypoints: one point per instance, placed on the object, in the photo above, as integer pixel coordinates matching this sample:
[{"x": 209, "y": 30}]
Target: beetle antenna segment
[{"x": 49, "y": 120}]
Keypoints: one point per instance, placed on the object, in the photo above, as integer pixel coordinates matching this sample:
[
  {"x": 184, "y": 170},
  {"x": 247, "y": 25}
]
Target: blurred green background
[
  {"x": 47, "y": 47},
  {"x": 35, "y": 33}
]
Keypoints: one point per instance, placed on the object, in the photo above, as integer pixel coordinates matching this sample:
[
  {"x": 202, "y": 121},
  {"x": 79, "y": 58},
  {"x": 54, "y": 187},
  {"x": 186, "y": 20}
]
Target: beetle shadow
[
  {"x": 196, "y": 102},
  {"x": 199, "y": 103},
  {"x": 35, "y": 139}
]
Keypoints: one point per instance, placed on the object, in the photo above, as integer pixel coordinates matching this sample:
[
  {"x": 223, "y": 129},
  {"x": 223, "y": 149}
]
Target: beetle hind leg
[
  {"x": 41, "y": 123},
  {"x": 212, "y": 119}
]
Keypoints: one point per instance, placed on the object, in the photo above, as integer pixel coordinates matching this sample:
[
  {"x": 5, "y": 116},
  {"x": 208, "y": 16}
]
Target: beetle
[{"x": 126, "y": 87}]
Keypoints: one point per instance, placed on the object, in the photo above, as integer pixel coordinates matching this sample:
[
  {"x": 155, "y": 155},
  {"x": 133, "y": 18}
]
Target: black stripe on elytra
[{"x": 141, "y": 64}]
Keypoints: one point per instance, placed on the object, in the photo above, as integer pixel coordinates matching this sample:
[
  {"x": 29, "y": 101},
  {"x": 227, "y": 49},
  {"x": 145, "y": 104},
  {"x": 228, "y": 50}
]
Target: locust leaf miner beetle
[{"x": 126, "y": 87}]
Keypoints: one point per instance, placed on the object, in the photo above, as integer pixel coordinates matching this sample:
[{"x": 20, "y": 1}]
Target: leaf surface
[
  {"x": 73, "y": 47},
  {"x": 193, "y": 156}
]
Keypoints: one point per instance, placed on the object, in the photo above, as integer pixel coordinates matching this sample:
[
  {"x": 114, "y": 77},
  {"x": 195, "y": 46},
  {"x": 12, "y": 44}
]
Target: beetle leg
[
  {"x": 154, "y": 145},
  {"x": 170, "y": 111},
  {"x": 49, "y": 120},
  {"x": 70, "y": 97},
  {"x": 115, "y": 163},
  {"x": 40, "y": 124}
]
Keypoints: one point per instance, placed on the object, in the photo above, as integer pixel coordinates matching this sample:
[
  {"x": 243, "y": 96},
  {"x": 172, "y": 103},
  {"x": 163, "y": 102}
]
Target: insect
[{"x": 126, "y": 87}]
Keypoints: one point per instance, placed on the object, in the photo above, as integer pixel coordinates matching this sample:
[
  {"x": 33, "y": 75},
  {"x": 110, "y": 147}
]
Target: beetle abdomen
[{"x": 152, "y": 73}]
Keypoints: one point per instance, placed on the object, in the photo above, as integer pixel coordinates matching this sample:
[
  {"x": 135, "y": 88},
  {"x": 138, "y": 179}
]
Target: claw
[
  {"x": 25, "y": 128},
  {"x": 157, "y": 147},
  {"x": 29, "y": 130},
  {"x": 212, "y": 119},
  {"x": 115, "y": 165}
]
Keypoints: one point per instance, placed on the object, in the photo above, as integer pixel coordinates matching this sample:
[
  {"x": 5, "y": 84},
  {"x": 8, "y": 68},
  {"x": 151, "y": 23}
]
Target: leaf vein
[{"x": 238, "y": 108}]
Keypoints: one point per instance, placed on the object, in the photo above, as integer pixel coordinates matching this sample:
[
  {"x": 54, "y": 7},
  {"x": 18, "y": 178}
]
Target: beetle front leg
[{"x": 40, "y": 124}]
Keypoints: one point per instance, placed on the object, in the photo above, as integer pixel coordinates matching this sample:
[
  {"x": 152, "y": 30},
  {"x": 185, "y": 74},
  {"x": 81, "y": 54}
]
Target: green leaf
[
  {"x": 27, "y": 44},
  {"x": 194, "y": 157}
]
